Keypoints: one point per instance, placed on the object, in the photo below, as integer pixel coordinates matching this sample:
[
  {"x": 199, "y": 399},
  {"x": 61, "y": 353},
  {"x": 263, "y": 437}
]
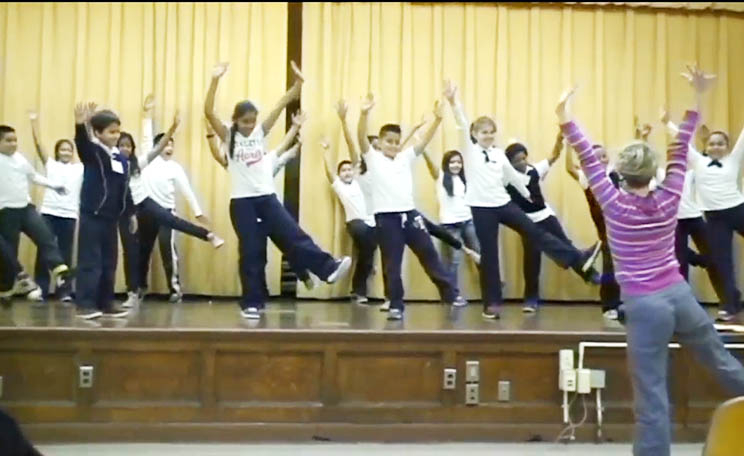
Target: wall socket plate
[
  {"x": 472, "y": 371},
  {"x": 86, "y": 376},
  {"x": 504, "y": 391},
  {"x": 471, "y": 394},
  {"x": 450, "y": 378}
]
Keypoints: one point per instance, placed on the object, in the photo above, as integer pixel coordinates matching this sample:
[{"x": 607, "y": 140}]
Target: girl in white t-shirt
[
  {"x": 60, "y": 212},
  {"x": 253, "y": 196},
  {"x": 454, "y": 214}
]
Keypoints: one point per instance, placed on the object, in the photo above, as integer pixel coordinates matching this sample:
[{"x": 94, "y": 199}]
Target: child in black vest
[{"x": 538, "y": 211}]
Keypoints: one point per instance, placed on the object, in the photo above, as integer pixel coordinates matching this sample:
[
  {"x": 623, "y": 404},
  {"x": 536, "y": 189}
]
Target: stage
[{"x": 198, "y": 371}]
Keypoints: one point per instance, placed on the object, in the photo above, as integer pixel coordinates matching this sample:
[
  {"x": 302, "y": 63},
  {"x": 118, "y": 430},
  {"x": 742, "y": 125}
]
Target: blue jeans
[
  {"x": 651, "y": 321},
  {"x": 465, "y": 233}
]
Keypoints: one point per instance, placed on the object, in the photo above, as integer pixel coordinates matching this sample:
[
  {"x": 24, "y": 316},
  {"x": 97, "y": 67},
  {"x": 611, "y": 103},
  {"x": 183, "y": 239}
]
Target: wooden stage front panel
[{"x": 197, "y": 371}]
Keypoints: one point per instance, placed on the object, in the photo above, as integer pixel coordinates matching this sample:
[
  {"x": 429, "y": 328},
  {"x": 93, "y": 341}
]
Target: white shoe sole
[
  {"x": 340, "y": 271},
  {"x": 592, "y": 258},
  {"x": 90, "y": 316}
]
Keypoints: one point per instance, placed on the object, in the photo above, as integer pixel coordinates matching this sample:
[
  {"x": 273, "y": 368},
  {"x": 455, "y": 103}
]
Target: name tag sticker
[{"x": 117, "y": 167}]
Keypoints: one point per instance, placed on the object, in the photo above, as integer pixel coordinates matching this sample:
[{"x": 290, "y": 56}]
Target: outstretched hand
[
  {"x": 220, "y": 69},
  {"x": 450, "y": 91},
  {"x": 698, "y": 79},
  {"x": 562, "y": 109},
  {"x": 149, "y": 103},
  {"x": 368, "y": 103},
  {"x": 299, "y": 118},
  {"x": 341, "y": 109}
]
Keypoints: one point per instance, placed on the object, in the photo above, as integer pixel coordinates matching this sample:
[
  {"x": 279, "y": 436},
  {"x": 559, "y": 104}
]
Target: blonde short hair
[{"x": 637, "y": 164}]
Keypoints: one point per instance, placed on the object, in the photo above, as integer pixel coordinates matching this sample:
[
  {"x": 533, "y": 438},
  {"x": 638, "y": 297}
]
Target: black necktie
[
  {"x": 715, "y": 162},
  {"x": 485, "y": 155}
]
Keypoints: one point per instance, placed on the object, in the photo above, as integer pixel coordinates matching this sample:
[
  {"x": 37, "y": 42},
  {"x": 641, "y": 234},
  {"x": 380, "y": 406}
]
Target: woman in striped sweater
[{"x": 658, "y": 302}]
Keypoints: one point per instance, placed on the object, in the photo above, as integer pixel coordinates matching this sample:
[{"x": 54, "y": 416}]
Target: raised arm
[
  {"x": 367, "y": 106},
  {"x": 83, "y": 144},
  {"x": 212, "y": 118},
  {"x": 286, "y": 157},
  {"x": 429, "y": 135},
  {"x": 431, "y": 165},
  {"x": 297, "y": 120},
  {"x": 599, "y": 183},
  {"x": 463, "y": 124},
  {"x": 413, "y": 131},
  {"x": 557, "y": 148},
  {"x": 214, "y": 146},
  {"x": 40, "y": 151},
  {"x": 327, "y": 161},
  {"x": 341, "y": 109},
  {"x": 677, "y": 151},
  {"x": 292, "y": 94},
  {"x": 158, "y": 149}
]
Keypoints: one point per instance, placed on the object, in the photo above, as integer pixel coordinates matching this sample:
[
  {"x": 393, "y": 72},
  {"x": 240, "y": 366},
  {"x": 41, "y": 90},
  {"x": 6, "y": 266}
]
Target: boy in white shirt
[
  {"x": 17, "y": 214},
  {"x": 398, "y": 222}
]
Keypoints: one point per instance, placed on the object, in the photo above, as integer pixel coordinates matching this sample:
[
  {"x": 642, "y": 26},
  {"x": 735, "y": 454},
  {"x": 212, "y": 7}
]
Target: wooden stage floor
[
  {"x": 311, "y": 315},
  {"x": 198, "y": 371}
]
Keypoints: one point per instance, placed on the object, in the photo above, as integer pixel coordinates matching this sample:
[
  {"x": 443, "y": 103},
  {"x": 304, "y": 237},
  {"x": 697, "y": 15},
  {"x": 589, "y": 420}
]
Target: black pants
[
  {"x": 63, "y": 230},
  {"x": 9, "y": 265},
  {"x": 301, "y": 274},
  {"x": 131, "y": 246},
  {"x": 26, "y": 220},
  {"x": 721, "y": 227},
  {"x": 698, "y": 230},
  {"x": 283, "y": 230},
  {"x": 155, "y": 221},
  {"x": 12, "y": 440},
  {"x": 609, "y": 289},
  {"x": 365, "y": 242},
  {"x": 487, "y": 221},
  {"x": 533, "y": 258},
  {"x": 395, "y": 230},
  {"x": 97, "y": 256}
]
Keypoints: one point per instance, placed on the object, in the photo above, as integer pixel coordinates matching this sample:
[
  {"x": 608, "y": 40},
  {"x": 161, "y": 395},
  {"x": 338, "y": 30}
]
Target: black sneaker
[
  {"x": 492, "y": 312},
  {"x": 395, "y": 314},
  {"x": 116, "y": 311},
  {"x": 88, "y": 314}
]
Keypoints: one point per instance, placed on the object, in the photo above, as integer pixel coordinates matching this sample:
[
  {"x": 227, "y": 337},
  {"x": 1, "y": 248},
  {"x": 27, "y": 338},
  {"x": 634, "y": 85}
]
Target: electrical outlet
[
  {"x": 567, "y": 380},
  {"x": 450, "y": 376},
  {"x": 472, "y": 371},
  {"x": 471, "y": 394},
  {"x": 86, "y": 376},
  {"x": 504, "y": 391}
]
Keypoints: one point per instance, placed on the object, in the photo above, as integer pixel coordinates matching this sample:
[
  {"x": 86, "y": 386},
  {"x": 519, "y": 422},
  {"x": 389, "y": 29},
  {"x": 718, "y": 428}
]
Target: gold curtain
[
  {"x": 54, "y": 54},
  {"x": 511, "y": 61}
]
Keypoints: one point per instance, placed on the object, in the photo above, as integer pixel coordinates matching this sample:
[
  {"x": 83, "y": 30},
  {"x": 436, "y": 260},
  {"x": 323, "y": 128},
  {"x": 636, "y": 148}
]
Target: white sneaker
[
  {"x": 385, "y": 306},
  {"x": 251, "y": 313},
  {"x": 359, "y": 299},
  {"x": 611, "y": 314},
  {"x": 342, "y": 267},
  {"x": 472, "y": 254},
  {"x": 215, "y": 240},
  {"x": 88, "y": 314},
  {"x": 24, "y": 285},
  {"x": 132, "y": 300},
  {"x": 35, "y": 295}
]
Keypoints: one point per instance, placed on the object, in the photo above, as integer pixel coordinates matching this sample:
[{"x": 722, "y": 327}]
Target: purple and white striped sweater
[{"x": 640, "y": 229}]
